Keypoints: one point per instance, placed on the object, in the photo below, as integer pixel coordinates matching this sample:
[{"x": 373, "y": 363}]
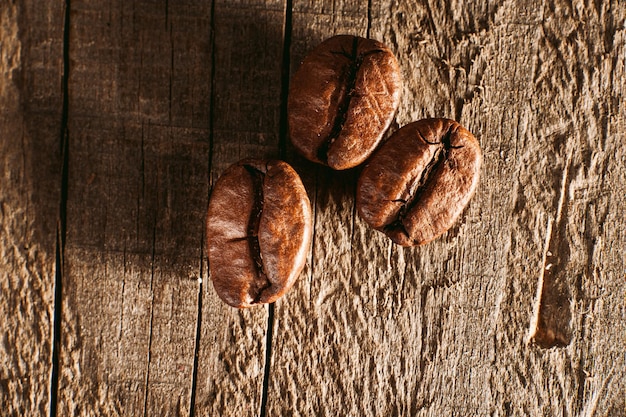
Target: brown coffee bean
[
  {"x": 259, "y": 229},
  {"x": 417, "y": 183},
  {"x": 342, "y": 100}
]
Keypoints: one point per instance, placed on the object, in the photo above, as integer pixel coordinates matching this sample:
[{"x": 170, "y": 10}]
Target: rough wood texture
[
  {"x": 31, "y": 68},
  {"x": 163, "y": 96},
  {"x": 137, "y": 193},
  {"x": 443, "y": 329}
]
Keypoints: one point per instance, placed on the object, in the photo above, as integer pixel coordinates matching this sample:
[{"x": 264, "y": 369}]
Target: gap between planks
[
  {"x": 62, "y": 222},
  {"x": 282, "y": 148}
]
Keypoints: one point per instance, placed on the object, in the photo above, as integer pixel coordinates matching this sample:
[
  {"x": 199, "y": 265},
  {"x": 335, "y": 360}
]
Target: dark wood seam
[
  {"x": 282, "y": 145},
  {"x": 196, "y": 351},
  {"x": 62, "y": 223}
]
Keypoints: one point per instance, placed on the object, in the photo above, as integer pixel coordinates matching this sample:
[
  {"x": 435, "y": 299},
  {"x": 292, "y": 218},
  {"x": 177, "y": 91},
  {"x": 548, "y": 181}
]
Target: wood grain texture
[
  {"x": 31, "y": 68},
  {"x": 443, "y": 329},
  {"x": 137, "y": 195},
  {"x": 164, "y": 95}
]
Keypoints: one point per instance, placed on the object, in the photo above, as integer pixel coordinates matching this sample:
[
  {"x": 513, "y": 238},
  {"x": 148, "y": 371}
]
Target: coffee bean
[
  {"x": 259, "y": 227},
  {"x": 342, "y": 100},
  {"x": 417, "y": 183}
]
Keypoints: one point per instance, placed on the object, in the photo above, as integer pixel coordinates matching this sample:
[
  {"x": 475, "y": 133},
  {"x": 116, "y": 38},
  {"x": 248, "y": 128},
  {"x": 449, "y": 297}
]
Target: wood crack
[
  {"x": 369, "y": 19},
  {"x": 147, "y": 380},
  {"x": 62, "y": 223},
  {"x": 282, "y": 144},
  {"x": 196, "y": 348},
  {"x": 284, "y": 80},
  {"x": 196, "y": 356},
  {"x": 268, "y": 360},
  {"x": 550, "y": 324}
]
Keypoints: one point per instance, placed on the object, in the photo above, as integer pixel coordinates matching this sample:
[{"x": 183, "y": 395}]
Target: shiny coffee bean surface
[
  {"x": 259, "y": 227},
  {"x": 342, "y": 99},
  {"x": 418, "y": 182}
]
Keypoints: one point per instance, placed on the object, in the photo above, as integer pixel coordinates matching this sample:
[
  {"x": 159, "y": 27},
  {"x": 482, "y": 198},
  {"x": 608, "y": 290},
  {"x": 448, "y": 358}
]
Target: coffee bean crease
[
  {"x": 259, "y": 226},
  {"x": 350, "y": 75},
  {"x": 417, "y": 183},
  {"x": 262, "y": 282},
  {"x": 342, "y": 99}
]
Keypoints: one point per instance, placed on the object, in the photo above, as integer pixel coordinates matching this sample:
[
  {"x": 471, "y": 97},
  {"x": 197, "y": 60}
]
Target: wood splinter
[{"x": 550, "y": 324}]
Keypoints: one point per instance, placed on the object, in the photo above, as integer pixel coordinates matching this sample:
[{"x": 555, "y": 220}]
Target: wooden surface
[{"x": 116, "y": 118}]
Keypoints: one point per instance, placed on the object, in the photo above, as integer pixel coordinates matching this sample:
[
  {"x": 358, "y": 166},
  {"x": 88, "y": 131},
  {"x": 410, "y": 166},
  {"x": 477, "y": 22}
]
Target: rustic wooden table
[{"x": 116, "y": 117}]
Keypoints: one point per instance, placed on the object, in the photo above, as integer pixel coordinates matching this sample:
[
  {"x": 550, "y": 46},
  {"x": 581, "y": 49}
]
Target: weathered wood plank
[
  {"x": 248, "y": 39},
  {"x": 442, "y": 329},
  {"x": 137, "y": 194},
  {"x": 165, "y": 95},
  {"x": 31, "y": 97}
]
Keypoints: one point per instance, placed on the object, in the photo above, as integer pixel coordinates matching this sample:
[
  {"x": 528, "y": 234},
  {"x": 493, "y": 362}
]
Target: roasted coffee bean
[
  {"x": 259, "y": 227},
  {"x": 342, "y": 100},
  {"x": 417, "y": 183}
]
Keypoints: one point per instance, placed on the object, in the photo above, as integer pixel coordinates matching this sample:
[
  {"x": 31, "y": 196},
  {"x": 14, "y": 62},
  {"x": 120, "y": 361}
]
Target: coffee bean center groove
[
  {"x": 418, "y": 185},
  {"x": 350, "y": 77},
  {"x": 254, "y": 221}
]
